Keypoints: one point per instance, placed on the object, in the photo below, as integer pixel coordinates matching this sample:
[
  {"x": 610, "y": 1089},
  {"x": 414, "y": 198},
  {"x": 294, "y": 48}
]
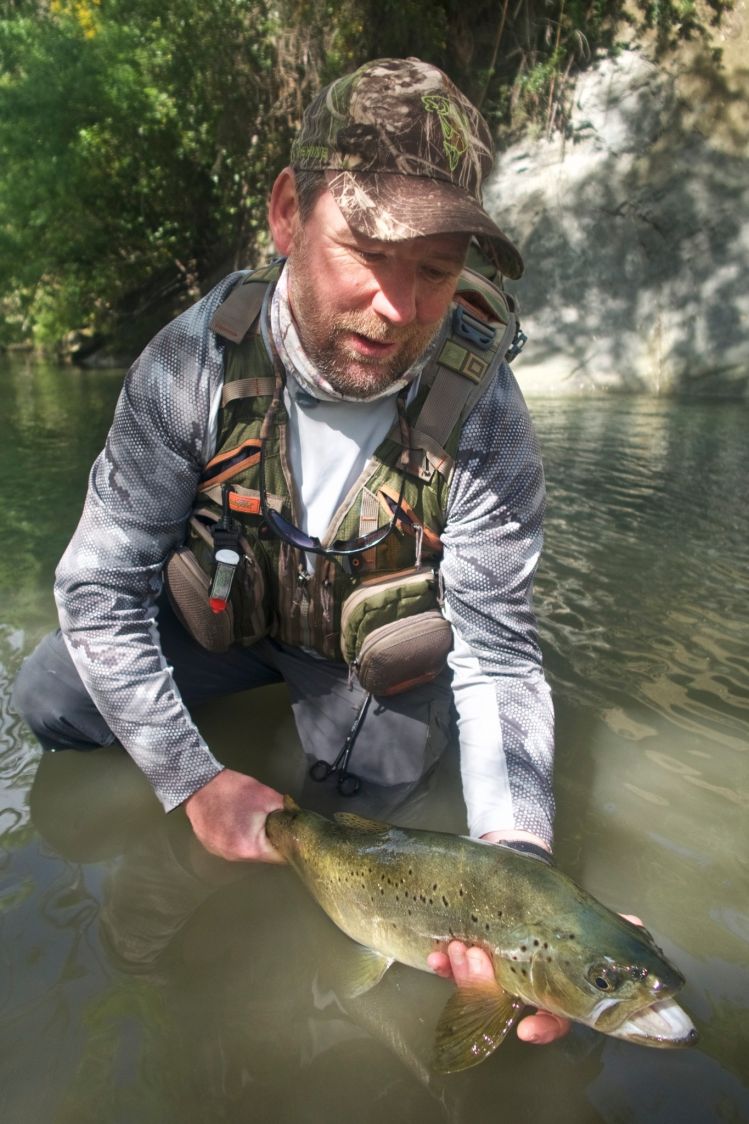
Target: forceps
[{"x": 348, "y": 784}]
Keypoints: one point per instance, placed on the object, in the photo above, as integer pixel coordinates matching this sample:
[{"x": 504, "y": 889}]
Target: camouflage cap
[{"x": 405, "y": 154}]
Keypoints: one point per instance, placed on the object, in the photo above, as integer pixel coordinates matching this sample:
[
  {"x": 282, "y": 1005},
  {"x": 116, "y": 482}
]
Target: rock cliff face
[{"x": 635, "y": 227}]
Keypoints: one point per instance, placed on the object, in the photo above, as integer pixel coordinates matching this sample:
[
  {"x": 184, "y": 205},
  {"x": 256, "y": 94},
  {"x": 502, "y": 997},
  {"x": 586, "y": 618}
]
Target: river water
[{"x": 142, "y": 982}]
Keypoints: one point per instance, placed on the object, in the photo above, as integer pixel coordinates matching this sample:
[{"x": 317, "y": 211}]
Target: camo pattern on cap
[
  {"x": 403, "y": 117},
  {"x": 391, "y": 122}
]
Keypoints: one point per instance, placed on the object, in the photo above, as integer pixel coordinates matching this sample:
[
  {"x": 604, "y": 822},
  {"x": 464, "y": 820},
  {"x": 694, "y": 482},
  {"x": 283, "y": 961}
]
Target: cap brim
[{"x": 392, "y": 207}]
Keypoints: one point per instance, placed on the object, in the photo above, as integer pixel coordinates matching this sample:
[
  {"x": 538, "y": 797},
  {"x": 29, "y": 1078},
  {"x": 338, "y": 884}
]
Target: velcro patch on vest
[{"x": 462, "y": 361}]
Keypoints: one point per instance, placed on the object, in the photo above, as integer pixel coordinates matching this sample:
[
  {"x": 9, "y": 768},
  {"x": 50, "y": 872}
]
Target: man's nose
[{"x": 395, "y": 298}]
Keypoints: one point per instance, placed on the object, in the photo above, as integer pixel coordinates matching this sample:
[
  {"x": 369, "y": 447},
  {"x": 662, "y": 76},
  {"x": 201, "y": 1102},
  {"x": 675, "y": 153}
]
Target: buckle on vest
[
  {"x": 518, "y": 343},
  {"x": 470, "y": 328}
]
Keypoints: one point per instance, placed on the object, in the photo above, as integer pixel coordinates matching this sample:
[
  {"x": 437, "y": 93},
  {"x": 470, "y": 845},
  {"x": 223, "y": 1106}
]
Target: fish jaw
[{"x": 664, "y": 1025}]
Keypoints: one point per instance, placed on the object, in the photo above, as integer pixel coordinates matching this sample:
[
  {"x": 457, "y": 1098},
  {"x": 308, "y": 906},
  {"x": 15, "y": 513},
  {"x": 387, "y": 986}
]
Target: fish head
[{"x": 609, "y": 974}]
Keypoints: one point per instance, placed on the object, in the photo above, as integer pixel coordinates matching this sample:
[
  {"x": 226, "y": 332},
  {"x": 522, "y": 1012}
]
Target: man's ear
[{"x": 283, "y": 212}]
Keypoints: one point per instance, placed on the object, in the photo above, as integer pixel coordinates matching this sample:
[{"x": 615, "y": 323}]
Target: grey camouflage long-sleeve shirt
[{"x": 140, "y": 494}]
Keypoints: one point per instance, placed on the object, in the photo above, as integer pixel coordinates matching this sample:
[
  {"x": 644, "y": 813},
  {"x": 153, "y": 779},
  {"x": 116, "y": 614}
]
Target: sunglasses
[{"x": 310, "y": 544}]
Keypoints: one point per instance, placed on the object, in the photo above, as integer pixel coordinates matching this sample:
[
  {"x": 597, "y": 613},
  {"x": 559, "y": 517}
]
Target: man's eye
[
  {"x": 434, "y": 274},
  {"x": 370, "y": 255}
]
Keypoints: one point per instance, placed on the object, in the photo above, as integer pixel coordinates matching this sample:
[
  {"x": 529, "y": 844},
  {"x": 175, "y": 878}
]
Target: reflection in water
[{"x": 144, "y": 981}]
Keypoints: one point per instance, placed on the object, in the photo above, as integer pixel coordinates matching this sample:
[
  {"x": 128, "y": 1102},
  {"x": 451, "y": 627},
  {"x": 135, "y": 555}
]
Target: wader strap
[{"x": 247, "y": 388}]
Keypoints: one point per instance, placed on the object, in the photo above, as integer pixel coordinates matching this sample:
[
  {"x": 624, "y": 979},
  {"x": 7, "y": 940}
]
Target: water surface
[{"x": 143, "y": 982}]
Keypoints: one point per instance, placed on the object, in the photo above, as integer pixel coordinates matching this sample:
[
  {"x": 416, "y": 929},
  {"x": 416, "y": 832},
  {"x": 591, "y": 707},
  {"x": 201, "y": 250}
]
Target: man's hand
[
  {"x": 470, "y": 965},
  {"x": 228, "y": 817}
]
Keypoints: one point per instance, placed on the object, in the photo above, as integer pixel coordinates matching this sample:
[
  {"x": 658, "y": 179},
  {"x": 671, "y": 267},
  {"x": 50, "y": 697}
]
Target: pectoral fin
[
  {"x": 474, "y": 1021},
  {"x": 364, "y": 968}
]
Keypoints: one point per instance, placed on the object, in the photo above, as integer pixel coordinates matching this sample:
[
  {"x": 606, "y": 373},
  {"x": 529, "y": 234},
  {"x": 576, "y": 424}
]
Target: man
[{"x": 315, "y": 416}]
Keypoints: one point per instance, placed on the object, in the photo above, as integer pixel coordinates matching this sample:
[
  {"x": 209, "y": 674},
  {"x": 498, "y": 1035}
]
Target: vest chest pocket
[
  {"x": 187, "y": 579},
  {"x": 393, "y": 635}
]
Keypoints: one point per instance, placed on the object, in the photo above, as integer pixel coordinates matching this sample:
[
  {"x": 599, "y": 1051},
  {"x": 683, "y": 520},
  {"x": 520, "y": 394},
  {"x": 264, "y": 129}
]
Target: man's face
[{"x": 364, "y": 309}]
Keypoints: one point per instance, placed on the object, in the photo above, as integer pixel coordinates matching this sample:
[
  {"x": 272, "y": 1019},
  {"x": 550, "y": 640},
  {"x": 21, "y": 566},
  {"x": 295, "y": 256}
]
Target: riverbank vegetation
[{"x": 138, "y": 139}]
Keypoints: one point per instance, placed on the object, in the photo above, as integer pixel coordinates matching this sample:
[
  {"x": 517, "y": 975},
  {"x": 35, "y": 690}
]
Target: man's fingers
[
  {"x": 471, "y": 965},
  {"x": 542, "y": 1028},
  {"x": 466, "y": 965},
  {"x": 439, "y": 962}
]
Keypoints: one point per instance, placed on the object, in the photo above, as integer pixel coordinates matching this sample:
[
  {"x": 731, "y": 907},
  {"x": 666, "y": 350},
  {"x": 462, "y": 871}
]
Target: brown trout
[{"x": 403, "y": 893}]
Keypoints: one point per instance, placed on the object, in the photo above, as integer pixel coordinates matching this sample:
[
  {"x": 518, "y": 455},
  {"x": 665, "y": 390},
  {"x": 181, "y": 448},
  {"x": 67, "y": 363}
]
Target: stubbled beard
[{"x": 324, "y": 339}]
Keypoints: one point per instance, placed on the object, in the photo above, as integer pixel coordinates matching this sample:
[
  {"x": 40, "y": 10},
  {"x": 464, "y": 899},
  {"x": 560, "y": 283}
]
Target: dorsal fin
[{"x": 359, "y": 823}]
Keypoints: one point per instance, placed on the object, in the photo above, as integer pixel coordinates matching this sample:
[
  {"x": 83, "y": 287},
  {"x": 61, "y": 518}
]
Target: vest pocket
[
  {"x": 187, "y": 579},
  {"x": 404, "y": 654},
  {"x": 393, "y": 634},
  {"x": 187, "y": 585}
]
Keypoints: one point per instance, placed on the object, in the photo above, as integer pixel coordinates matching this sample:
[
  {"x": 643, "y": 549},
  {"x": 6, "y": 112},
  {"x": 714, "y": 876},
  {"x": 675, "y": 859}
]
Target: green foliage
[
  {"x": 127, "y": 150},
  {"x": 138, "y": 140}
]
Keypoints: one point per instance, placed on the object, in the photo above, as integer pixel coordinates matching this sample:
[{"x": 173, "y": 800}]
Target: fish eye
[{"x": 604, "y": 977}]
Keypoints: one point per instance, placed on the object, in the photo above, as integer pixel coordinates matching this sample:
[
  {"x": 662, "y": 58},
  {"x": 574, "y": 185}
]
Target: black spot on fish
[
  {"x": 524, "y": 948},
  {"x": 474, "y": 917},
  {"x": 444, "y": 900},
  {"x": 535, "y": 944},
  {"x": 461, "y": 891},
  {"x": 486, "y": 926},
  {"x": 431, "y": 901},
  {"x": 523, "y": 972},
  {"x": 434, "y": 887}
]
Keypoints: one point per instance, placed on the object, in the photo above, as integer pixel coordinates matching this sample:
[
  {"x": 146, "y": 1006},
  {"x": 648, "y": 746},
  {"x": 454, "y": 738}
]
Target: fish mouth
[{"x": 663, "y": 1024}]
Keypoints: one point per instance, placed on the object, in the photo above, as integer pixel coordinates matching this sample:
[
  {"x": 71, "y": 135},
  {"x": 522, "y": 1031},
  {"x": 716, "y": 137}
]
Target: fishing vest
[{"x": 379, "y": 605}]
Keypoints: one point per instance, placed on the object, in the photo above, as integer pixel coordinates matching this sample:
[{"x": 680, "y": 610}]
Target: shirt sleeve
[
  {"x": 492, "y": 542},
  {"x": 140, "y": 493}
]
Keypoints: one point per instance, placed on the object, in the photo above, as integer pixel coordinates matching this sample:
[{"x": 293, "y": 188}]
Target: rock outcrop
[{"x": 634, "y": 226}]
